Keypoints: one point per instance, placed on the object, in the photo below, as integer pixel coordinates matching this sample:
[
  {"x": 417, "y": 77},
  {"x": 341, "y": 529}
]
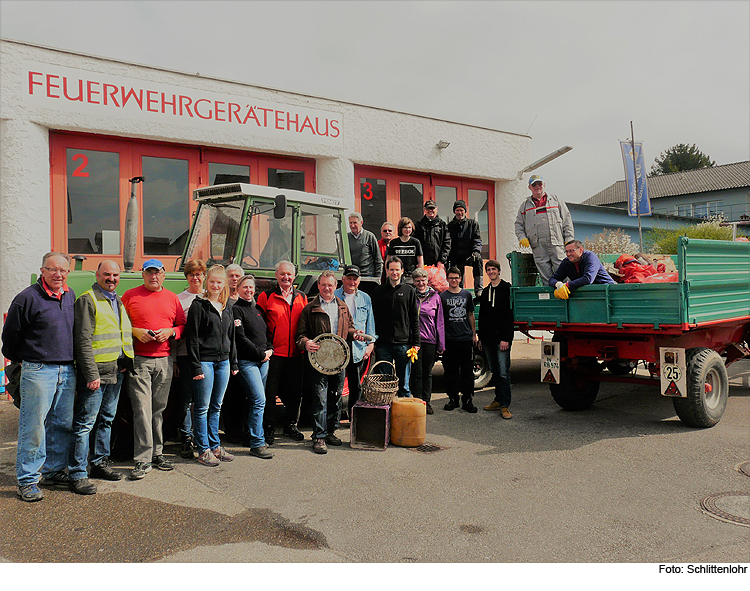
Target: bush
[
  {"x": 663, "y": 241},
  {"x": 611, "y": 242}
]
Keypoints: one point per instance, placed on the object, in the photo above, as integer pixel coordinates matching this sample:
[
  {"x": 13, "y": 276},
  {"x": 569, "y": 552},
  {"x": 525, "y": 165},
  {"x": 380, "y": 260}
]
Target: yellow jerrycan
[{"x": 408, "y": 422}]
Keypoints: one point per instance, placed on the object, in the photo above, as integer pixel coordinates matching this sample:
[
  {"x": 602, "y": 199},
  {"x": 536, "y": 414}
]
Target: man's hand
[
  {"x": 143, "y": 335},
  {"x": 562, "y": 293},
  {"x": 524, "y": 243},
  {"x": 475, "y": 338},
  {"x": 199, "y": 377},
  {"x": 311, "y": 346},
  {"x": 164, "y": 334},
  {"x": 478, "y": 344},
  {"x": 94, "y": 386},
  {"x": 359, "y": 335},
  {"x": 369, "y": 349},
  {"x": 504, "y": 345},
  {"x": 269, "y": 352}
]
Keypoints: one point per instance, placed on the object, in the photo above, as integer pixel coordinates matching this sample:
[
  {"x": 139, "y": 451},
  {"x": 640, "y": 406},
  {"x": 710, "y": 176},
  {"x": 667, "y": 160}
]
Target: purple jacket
[{"x": 431, "y": 320}]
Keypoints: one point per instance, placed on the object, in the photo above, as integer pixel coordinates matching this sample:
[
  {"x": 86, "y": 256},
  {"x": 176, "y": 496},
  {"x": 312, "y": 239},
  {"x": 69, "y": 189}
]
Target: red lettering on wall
[
  {"x": 84, "y": 161},
  {"x": 281, "y": 113},
  {"x": 251, "y": 115},
  {"x": 265, "y": 116},
  {"x": 165, "y": 102},
  {"x": 317, "y": 127},
  {"x": 138, "y": 98},
  {"x": 217, "y": 111},
  {"x": 307, "y": 123},
  {"x": 196, "y": 109},
  {"x": 152, "y": 101},
  {"x": 90, "y": 92},
  {"x": 234, "y": 112},
  {"x": 80, "y": 90},
  {"x": 334, "y": 128},
  {"x": 109, "y": 91},
  {"x": 50, "y": 86},
  {"x": 186, "y": 106},
  {"x": 32, "y": 82},
  {"x": 289, "y": 122}
]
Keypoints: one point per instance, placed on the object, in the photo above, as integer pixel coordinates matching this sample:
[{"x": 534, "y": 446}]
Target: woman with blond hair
[{"x": 212, "y": 355}]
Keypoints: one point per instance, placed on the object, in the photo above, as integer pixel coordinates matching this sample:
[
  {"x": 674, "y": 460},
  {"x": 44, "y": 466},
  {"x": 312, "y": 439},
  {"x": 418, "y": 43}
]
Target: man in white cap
[
  {"x": 544, "y": 223},
  {"x": 156, "y": 316}
]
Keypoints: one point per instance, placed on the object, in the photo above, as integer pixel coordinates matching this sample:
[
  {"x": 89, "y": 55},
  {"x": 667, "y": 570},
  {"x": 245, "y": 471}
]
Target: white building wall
[{"x": 371, "y": 136}]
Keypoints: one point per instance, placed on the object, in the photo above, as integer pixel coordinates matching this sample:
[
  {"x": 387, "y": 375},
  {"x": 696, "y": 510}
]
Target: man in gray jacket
[
  {"x": 363, "y": 246},
  {"x": 103, "y": 343},
  {"x": 544, "y": 223}
]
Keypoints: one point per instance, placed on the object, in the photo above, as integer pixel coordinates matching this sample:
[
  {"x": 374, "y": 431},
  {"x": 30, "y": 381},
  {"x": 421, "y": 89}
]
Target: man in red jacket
[
  {"x": 157, "y": 316},
  {"x": 283, "y": 307}
]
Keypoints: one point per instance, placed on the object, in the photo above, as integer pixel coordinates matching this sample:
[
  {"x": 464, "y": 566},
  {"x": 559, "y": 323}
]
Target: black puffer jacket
[
  {"x": 250, "y": 331},
  {"x": 435, "y": 239}
]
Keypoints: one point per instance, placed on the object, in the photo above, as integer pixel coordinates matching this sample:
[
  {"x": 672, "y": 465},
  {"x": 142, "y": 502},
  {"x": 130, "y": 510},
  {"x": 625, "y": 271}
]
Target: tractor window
[
  {"x": 216, "y": 231},
  {"x": 321, "y": 242},
  {"x": 268, "y": 241}
]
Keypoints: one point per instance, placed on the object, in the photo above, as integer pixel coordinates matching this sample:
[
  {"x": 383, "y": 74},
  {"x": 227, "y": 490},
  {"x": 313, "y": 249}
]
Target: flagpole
[{"x": 637, "y": 195}]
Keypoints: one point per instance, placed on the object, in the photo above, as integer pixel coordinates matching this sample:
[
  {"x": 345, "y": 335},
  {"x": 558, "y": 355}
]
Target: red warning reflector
[
  {"x": 549, "y": 378},
  {"x": 672, "y": 389}
]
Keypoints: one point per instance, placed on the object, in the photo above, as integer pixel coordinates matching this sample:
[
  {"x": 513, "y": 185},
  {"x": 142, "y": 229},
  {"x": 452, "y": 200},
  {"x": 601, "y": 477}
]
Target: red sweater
[
  {"x": 282, "y": 319},
  {"x": 153, "y": 310}
]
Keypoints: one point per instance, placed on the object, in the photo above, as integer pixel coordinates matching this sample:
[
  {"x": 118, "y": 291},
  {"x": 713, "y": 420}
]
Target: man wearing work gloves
[
  {"x": 582, "y": 267},
  {"x": 544, "y": 223}
]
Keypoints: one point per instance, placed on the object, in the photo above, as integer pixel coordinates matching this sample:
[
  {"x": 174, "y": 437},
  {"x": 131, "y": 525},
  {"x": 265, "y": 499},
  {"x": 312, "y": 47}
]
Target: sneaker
[
  {"x": 261, "y": 452},
  {"x": 140, "y": 470},
  {"x": 429, "y": 409},
  {"x": 104, "y": 472},
  {"x": 56, "y": 479},
  {"x": 319, "y": 446},
  {"x": 162, "y": 463},
  {"x": 451, "y": 405},
  {"x": 222, "y": 455},
  {"x": 187, "y": 451},
  {"x": 294, "y": 433},
  {"x": 494, "y": 405},
  {"x": 331, "y": 439},
  {"x": 469, "y": 407},
  {"x": 30, "y": 493},
  {"x": 83, "y": 486},
  {"x": 207, "y": 458},
  {"x": 505, "y": 412}
]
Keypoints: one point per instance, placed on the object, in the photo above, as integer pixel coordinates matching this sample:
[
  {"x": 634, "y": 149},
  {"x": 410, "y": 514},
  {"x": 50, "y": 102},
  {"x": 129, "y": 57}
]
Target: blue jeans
[
  {"x": 44, "y": 425},
  {"x": 208, "y": 395},
  {"x": 499, "y": 362},
  {"x": 395, "y": 354},
  {"x": 92, "y": 426},
  {"x": 325, "y": 401},
  {"x": 254, "y": 375}
]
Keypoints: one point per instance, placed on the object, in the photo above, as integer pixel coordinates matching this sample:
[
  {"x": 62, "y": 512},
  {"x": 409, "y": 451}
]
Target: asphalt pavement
[{"x": 621, "y": 482}]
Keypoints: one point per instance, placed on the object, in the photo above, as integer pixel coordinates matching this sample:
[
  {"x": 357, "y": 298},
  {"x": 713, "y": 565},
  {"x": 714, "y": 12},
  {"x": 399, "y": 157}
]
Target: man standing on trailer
[{"x": 544, "y": 224}]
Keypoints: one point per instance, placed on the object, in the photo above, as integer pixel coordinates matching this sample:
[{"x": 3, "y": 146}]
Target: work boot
[
  {"x": 451, "y": 405},
  {"x": 505, "y": 412},
  {"x": 292, "y": 432},
  {"x": 494, "y": 405},
  {"x": 187, "y": 451},
  {"x": 102, "y": 471},
  {"x": 83, "y": 486}
]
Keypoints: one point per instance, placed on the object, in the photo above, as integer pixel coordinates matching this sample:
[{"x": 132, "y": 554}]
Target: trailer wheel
[
  {"x": 482, "y": 373},
  {"x": 707, "y": 389},
  {"x": 575, "y": 391}
]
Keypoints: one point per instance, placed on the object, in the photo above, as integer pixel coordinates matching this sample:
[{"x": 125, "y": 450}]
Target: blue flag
[{"x": 630, "y": 176}]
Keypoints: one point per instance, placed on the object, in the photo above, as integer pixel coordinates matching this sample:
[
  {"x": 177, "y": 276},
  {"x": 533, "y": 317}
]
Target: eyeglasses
[
  {"x": 537, "y": 184},
  {"x": 55, "y": 271},
  {"x": 196, "y": 275},
  {"x": 571, "y": 251},
  {"x": 387, "y": 231}
]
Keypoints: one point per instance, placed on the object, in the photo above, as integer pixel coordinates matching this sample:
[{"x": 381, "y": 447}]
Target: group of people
[
  {"x": 429, "y": 242},
  {"x": 76, "y": 353}
]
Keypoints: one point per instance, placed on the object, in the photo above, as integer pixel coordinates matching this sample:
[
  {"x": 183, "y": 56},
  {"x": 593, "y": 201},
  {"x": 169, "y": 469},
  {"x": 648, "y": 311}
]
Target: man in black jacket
[
  {"x": 466, "y": 244},
  {"x": 433, "y": 233},
  {"x": 396, "y": 311},
  {"x": 496, "y": 335}
]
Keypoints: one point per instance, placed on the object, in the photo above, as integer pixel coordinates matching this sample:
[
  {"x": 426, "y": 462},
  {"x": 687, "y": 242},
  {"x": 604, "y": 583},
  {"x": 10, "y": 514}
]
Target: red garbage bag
[
  {"x": 436, "y": 278},
  {"x": 662, "y": 278}
]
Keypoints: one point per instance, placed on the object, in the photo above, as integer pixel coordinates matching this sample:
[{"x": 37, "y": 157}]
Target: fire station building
[{"x": 75, "y": 128}]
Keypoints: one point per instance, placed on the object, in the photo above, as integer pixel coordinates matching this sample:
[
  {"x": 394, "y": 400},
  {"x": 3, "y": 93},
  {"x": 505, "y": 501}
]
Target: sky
[{"x": 565, "y": 73}]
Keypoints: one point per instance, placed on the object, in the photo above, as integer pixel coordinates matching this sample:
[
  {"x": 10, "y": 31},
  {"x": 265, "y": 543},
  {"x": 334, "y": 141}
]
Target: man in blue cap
[
  {"x": 544, "y": 223},
  {"x": 156, "y": 316}
]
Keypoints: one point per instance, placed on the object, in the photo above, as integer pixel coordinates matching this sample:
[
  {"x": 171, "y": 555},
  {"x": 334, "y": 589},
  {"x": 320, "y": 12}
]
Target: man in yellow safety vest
[{"x": 103, "y": 344}]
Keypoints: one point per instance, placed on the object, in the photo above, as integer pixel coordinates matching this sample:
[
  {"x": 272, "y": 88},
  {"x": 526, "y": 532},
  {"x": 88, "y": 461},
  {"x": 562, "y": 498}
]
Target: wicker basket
[{"x": 380, "y": 388}]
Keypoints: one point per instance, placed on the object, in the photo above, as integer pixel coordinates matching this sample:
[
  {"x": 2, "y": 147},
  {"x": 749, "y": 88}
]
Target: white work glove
[{"x": 559, "y": 284}]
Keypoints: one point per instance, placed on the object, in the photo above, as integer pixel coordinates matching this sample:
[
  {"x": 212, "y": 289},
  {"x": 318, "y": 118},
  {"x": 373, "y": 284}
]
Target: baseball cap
[
  {"x": 153, "y": 264},
  {"x": 534, "y": 178},
  {"x": 430, "y": 204},
  {"x": 352, "y": 270}
]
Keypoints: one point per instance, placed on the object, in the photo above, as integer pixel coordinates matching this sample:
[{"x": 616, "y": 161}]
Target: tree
[{"x": 680, "y": 157}]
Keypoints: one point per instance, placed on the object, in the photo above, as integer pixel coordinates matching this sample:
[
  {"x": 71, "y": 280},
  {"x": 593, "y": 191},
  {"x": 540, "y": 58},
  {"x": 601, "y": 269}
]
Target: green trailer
[{"x": 685, "y": 333}]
